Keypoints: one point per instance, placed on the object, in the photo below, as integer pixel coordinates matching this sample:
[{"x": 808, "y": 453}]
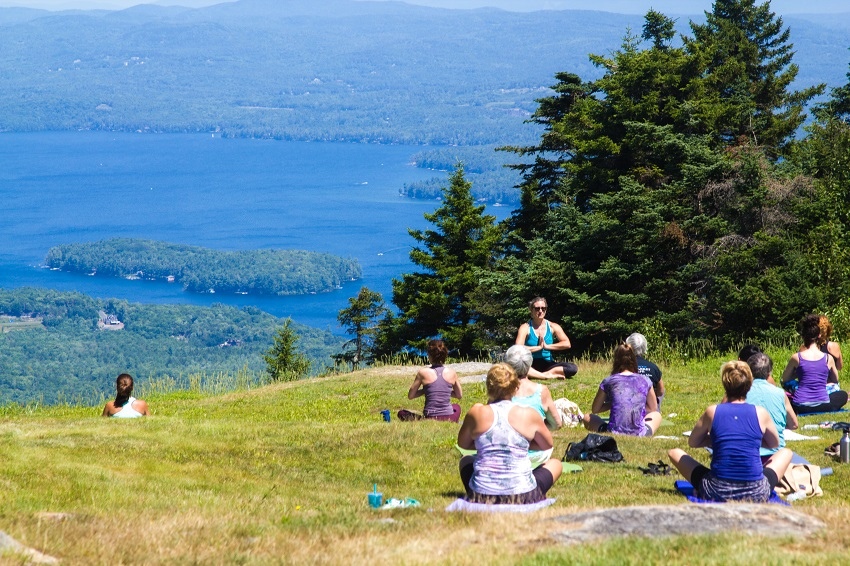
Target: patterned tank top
[{"x": 502, "y": 466}]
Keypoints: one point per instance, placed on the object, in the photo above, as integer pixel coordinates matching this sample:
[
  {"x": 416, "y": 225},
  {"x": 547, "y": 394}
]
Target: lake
[{"x": 203, "y": 190}]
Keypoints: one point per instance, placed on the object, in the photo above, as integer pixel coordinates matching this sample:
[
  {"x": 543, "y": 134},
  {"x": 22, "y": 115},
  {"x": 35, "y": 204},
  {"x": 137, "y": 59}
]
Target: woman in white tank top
[{"x": 125, "y": 406}]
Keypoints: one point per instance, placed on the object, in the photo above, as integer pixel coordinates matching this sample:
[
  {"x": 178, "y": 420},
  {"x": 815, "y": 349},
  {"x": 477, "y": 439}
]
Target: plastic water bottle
[
  {"x": 801, "y": 494},
  {"x": 844, "y": 447}
]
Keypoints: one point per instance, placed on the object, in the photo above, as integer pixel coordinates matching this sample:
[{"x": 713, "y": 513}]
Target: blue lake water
[{"x": 226, "y": 194}]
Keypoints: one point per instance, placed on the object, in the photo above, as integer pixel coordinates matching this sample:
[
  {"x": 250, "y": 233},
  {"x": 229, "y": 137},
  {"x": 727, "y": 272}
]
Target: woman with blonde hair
[
  {"x": 735, "y": 430},
  {"x": 125, "y": 406},
  {"x": 502, "y": 433}
]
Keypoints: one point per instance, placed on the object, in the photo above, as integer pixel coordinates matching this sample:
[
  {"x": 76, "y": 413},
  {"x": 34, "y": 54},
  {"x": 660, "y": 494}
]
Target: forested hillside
[
  {"x": 201, "y": 270},
  {"x": 331, "y": 70},
  {"x": 69, "y": 356},
  {"x": 697, "y": 192}
]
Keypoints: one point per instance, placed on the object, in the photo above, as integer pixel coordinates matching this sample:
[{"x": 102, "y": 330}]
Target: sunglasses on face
[{"x": 543, "y": 309}]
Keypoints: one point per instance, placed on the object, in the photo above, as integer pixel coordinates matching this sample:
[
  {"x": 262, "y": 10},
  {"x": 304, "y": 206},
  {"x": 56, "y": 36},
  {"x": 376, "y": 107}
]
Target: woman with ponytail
[{"x": 125, "y": 406}]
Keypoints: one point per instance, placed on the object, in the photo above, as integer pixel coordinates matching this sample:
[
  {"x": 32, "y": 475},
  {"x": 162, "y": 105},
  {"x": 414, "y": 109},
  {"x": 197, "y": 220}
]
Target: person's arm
[
  {"x": 416, "y": 389},
  {"x": 553, "y": 415},
  {"x": 835, "y": 350},
  {"x": 659, "y": 388},
  {"x": 651, "y": 401},
  {"x": 771, "y": 437},
  {"x": 701, "y": 434},
  {"x": 600, "y": 403},
  {"x": 833, "y": 370},
  {"x": 106, "y": 412},
  {"x": 791, "y": 422},
  {"x": 790, "y": 368},
  {"x": 562, "y": 342},
  {"x": 522, "y": 336},
  {"x": 466, "y": 434},
  {"x": 450, "y": 376},
  {"x": 541, "y": 437}
]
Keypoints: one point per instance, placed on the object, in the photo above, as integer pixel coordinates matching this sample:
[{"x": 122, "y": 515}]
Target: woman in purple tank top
[
  {"x": 813, "y": 369},
  {"x": 735, "y": 430},
  {"x": 438, "y": 384}
]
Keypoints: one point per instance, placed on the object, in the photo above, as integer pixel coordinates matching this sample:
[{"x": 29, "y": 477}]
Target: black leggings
[
  {"x": 837, "y": 399},
  {"x": 541, "y": 365},
  {"x": 544, "y": 479}
]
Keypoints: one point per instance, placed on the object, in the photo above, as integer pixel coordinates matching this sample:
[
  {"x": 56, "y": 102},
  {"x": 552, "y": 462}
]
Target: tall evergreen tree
[
  {"x": 644, "y": 200},
  {"x": 361, "y": 319},
  {"x": 283, "y": 361},
  {"x": 746, "y": 61},
  {"x": 436, "y": 301}
]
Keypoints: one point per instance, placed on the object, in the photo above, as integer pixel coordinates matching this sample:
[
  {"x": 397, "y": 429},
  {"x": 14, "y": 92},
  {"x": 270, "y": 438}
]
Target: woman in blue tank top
[{"x": 735, "y": 430}]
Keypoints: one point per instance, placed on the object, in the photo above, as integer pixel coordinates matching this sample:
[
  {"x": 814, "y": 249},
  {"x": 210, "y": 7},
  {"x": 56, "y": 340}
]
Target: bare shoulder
[
  {"x": 449, "y": 374},
  {"x": 141, "y": 406}
]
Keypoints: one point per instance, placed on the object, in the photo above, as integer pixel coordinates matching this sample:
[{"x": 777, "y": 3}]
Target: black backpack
[{"x": 594, "y": 448}]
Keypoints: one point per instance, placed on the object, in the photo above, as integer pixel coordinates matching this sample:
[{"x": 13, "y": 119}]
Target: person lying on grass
[
  {"x": 125, "y": 406},
  {"x": 735, "y": 430},
  {"x": 629, "y": 397},
  {"x": 534, "y": 395},
  {"x": 502, "y": 433},
  {"x": 438, "y": 384}
]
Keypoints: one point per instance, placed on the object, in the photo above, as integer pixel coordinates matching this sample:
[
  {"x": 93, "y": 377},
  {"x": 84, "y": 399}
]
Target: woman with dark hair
[
  {"x": 125, "y": 406},
  {"x": 438, "y": 384},
  {"x": 542, "y": 337},
  {"x": 629, "y": 397},
  {"x": 735, "y": 430},
  {"x": 502, "y": 432},
  {"x": 813, "y": 369}
]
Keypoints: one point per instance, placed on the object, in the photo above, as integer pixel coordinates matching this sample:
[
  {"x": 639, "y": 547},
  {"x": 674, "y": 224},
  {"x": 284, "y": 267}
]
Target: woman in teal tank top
[
  {"x": 542, "y": 337},
  {"x": 530, "y": 394}
]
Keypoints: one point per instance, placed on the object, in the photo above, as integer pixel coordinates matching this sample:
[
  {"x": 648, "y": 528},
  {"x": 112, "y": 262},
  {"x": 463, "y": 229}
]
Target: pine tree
[
  {"x": 361, "y": 319},
  {"x": 283, "y": 361},
  {"x": 651, "y": 185},
  {"x": 437, "y": 301},
  {"x": 747, "y": 70}
]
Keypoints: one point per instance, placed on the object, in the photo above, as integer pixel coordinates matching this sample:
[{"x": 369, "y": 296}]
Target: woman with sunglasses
[{"x": 542, "y": 337}]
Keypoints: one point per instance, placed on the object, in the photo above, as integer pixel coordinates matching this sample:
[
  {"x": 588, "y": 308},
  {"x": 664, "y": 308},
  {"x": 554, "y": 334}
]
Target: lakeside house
[{"x": 109, "y": 322}]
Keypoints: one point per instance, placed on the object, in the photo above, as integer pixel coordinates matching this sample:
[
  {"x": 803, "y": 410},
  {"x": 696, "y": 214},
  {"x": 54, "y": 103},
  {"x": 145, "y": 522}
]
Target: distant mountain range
[{"x": 332, "y": 70}]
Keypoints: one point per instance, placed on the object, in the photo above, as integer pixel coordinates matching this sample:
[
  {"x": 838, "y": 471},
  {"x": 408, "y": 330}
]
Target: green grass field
[{"x": 279, "y": 474}]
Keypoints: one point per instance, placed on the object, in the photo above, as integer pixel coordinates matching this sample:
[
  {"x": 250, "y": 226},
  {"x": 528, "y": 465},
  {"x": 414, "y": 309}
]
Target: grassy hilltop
[{"x": 279, "y": 474}]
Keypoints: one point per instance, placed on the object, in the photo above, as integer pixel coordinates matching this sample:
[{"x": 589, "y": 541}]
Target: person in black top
[{"x": 646, "y": 368}]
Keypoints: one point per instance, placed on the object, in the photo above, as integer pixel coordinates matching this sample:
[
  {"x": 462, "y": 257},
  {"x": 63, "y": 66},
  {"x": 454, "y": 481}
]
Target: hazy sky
[{"x": 620, "y": 6}]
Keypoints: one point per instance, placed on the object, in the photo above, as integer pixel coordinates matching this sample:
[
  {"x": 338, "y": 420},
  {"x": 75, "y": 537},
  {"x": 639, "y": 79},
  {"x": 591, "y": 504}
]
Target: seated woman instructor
[
  {"x": 502, "y": 433},
  {"x": 542, "y": 337},
  {"x": 125, "y": 406}
]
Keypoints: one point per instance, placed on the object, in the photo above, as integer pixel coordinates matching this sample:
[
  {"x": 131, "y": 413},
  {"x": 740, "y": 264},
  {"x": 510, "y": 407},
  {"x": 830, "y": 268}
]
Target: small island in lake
[{"x": 202, "y": 270}]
